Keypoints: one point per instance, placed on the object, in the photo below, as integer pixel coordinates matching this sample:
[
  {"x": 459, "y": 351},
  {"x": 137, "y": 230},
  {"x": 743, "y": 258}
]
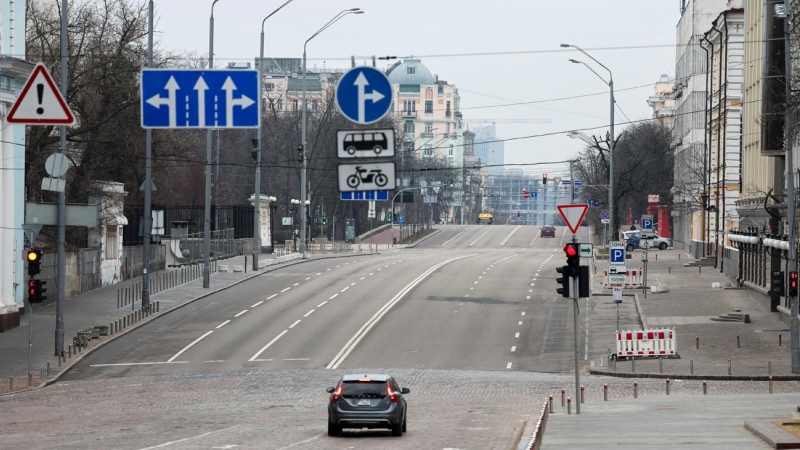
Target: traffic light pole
[{"x": 575, "y": 336}]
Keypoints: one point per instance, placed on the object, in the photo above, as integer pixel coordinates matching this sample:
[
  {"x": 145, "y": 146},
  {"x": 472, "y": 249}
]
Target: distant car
[
  {"x": 548, "y": 230},
  {"x": 367, "y": 401},
  {"x": 633, "y": 239}
]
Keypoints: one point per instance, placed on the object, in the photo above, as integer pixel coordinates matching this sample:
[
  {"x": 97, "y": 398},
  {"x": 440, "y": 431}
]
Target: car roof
[{"x": 371, "y": 376}]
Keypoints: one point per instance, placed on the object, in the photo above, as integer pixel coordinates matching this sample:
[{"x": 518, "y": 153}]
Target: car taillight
[
  {"x": 337, "y": 393},
  {"x": 392, "y": 396}
]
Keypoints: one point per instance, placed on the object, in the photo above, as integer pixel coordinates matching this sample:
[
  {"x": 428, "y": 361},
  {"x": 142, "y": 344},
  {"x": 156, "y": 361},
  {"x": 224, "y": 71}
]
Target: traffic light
[
  {"x": 40, "y": 290},
  {"x": 389, "y": 216},
  {"x": 517, "y": 213},
  {"x": 300, "y": 153},
  {"x": 583, "y": 282},
  {"x": 792, "y": 284},
  {"x": 32, "y": 291},
  {"x": 573, "y": 259},
  {"x": 544, "y": 178},
  {"x": 563, "y": 281},
  {"x": 324, "y": 220},
  {"x": 778, "y": 287},
  {"x": 34, "y": 258}
]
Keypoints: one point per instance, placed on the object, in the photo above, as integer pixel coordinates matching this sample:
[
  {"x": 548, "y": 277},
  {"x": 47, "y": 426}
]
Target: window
[
  {"x": 313, "y": 105},
  {"x": 429, "y": 127},
  {"x": 447, "y": 128},
  {"x": 450, "y": 151},
  {"x": 269, "y": 86},
  {"x": 409, "y": 146},
  {"x": 280, "y": 104},
  {"x": 411, "y": 70},
  {"x": 409, "y": 127},
  {"x": 427, "y": 151},
  {"x": 112, "y": 244},
  {"x": 428, "y": 106},
  {"x": 448, "y": 107},
  {"x": 294, "y": 105},
  {"x": 428, "y": 92}
]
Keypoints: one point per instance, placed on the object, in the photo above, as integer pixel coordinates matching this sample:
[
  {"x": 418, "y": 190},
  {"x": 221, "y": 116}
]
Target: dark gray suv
[{"x": 367, "y": 401}]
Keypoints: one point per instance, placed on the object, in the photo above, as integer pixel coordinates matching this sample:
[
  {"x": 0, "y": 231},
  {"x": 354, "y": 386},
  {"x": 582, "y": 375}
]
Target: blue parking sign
[{"x": 617, "y": 255}]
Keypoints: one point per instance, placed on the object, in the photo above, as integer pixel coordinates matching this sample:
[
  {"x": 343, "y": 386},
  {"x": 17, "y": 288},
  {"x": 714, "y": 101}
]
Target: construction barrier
[
  {"x": 646, "y": 344},
  {"x": 634, "y": 279}
]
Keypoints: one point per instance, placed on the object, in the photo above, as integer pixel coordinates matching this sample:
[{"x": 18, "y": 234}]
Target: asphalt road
[{"x": 468, "y": 298}]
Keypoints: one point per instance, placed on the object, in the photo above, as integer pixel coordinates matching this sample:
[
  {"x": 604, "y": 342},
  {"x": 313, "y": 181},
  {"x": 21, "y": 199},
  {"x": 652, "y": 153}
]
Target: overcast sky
[{"x": 431, "y": 29}]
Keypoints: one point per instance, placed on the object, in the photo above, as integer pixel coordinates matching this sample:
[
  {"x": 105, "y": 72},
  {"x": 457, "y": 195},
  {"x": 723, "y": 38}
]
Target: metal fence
[
  {"x": 239, "y": 218},
  {"x": 161, "y": 281},
  {"x": 222, "y": 245}
]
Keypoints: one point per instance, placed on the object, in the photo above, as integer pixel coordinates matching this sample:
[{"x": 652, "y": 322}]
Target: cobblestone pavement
[
  {"x": 688, "y": 308},
  {"x": 282, "y": 409}
]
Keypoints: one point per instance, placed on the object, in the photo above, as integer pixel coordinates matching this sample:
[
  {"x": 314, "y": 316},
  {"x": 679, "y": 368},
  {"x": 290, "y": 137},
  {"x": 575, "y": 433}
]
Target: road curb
[
  {"x": 673, "y": 376},
  {"x": 70, "y": 364},
  {"x": 642, "y": 317},
  {"x": 414, "y": 244}
]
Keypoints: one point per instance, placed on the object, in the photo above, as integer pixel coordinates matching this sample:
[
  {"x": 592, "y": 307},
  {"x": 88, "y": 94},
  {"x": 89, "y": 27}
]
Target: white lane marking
[
  {"x": 216, "y": 360},
  {"x": 530, "y": 290},
  {"x": 516, "y": 335},
  {"x": 373, "y": 273},
  {"x": 328, "y": 270},
  {"x": 509, "y": 236},
  {"x": 322, "y": 304},
  {"x": 527, "y": 297},
  {"x": 309, "y": 313},
  {"x": 138, "y": 364},
  {"x": 351, "y": 344},
  {"x": 272, "y": 296},
  {"x": 223, "y": 324},
  {"x": 363, "y": 277},
  {"x": 308, "y": 278},
  {"x": 484, "y": 273},
  {"x": 261, "y": 360},
  {"x": 295, "y": 323},
  {"x": 253, "y": 306},
  {"x": 476, "y": 282},
  {"x": 339, "y": 265},
  {"x": 345, "y": 288},
  {"x": 255, "y": 357},
  {"x": 180, "y": 440},
  {"x": 319, "y": 274},
  {"x": 472, "y": 288},
  {"x": 352, "y": 284},
  {"x": 513, "y": 348},
  {"x": 546, "y": 331},
  {"x": 286, "y": 289},
  {"x": 531, "y": 284},
  {"x": 523, "y": 313},
  {"x": 520, "y": 323},
  {"x": 508, "y": 366},
  {"x": 240, "y": 313},
  {"x": 476, "y": 240},
  {"x": 333, "y": 296},
  {"x": 379, "y": 268},
  {"x": 297, "y": 359},
  {"x": 189, "y": 346},
  {"x": 296, "y": 284},
  {"x": 479, "y": 277}
]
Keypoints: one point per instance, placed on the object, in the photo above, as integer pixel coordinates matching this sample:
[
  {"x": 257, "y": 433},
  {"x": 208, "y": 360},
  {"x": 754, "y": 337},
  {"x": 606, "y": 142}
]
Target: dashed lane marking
[
  {"x": 255, "y": 357},
  {"x": 513, "y": 348},
  {"x": 223, "y": 324},
  {"x": 309, "y": 313},
  {"x": 508, "y": 366},
  {"x": 333, "y": 296},
  {"x": 240, "y": 313},
  {"x": 260, "y": 302},
  {"x": 295, "y": 323},
  {"x": 286, "y": 289},
  {"x": 272, "y": 296},
  {"x": 322, "y": 304},
  {"x": 516, "y": 335}
]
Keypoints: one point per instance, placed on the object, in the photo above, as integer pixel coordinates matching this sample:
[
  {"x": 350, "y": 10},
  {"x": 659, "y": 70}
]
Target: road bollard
[
  {"x": 111, "y": 328},
  {"x": 635, "y": 389},
  {"x": 63, "y": 357},
  {"x": 705, "y": 388},
  {"x": 660, "y": 365},
  {"x": 569, "y": 405},
  {"x": 157, "y": 306},
  {"x": 699, "y": 270},
  {"x": 667, "y": 386},
  {"x": 779, "y": 339},
  {"x": 769, "y": 367},
  {"x": 41, "y": 371},
  {"x": 48, "y": 369},
  {"x": 59, "y": 360},
  {"x": 697, "y": 342},
  {"x": 669, "y": 269},
  {"x": 738, "y": 344},
  {"x": 729, "y": 367},
  {"x": 551, "y": 404},
  {"x": 582, "y": 394},
  {"x": 770, "y": 385},
  {"x": 679, "y": 256},
  {"x": 10, "y": 383},
  {"x": 563, "y": 396},
  {"x": 633, "y": 365},
  {"x": 605, "y": 392},
  {"x": 69, "y": 349},
  {"x": 691, "y": 367}
]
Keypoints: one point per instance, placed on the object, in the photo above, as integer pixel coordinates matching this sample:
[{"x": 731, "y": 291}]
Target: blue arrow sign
[
  {"x": 199, "y": 98},
  {"x": 364, "y": 95},
  {"x": 401, "y": 219},
  {"x": 365, "y": 195}
]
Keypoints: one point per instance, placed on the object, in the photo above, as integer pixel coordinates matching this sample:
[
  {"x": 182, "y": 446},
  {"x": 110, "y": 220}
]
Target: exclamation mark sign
[{"x": 39, "y": 95}]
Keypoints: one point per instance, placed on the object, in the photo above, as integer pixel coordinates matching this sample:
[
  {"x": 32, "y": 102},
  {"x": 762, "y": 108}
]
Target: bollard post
[
  {"x": 779, "y": 339},
  {"x": 679, "y": 256},
  {"x": 48, "y": 369},
  {"x": 770, "y": 385},
  {"x": 738, "y": 345},
  {"x": 551, "y": 404},
  {"x": 660, "y": 365},
  {"x": 699, "y": 270},
  {"x": 605, "y": 392},
  {"x": 69, "y": 349},
  {"x": 10, "y": 383},
  {"x": 697, "y": 342},
  {"x": 63, "y": 356},
  {"x": 569, "y": 405},
  {"x": 691, "y": 367},
  {"x": 582, "y": 394},
  {"x": 111, "y": 328},
  {"x": 729, "y": 367},
  {"x": 669, "y": 269},
  {"x": 635, "y": 389},
  {"x": 563, "y": 396},
  {"x": 158, "y": 304},
  {"x": 41, "y": 371},
  {"x": 769, "y": 367},
  {"x": 705, "y": 388},
  {"x": 667, "y": 386}
]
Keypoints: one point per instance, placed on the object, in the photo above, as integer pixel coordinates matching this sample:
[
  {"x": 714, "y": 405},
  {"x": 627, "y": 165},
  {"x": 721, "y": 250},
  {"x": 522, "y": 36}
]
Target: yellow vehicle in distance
[{"x": 485, "y": 219}]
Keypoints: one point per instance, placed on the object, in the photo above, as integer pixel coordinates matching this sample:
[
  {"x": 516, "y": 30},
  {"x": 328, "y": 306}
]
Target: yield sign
[
  {"x": 40, "y": 102},
  {"x": 573, "y": 215}
]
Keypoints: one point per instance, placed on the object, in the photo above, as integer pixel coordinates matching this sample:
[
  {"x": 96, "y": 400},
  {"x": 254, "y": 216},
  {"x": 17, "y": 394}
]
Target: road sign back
[
  {"x": 40, "y": 102},
  {"x": 573, "y": 215}
]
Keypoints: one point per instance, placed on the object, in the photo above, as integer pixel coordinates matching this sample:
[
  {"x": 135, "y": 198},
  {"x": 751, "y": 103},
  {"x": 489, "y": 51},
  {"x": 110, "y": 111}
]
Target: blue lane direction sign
[
  {"x": 365, "y": 195},
  {"x": 401, "y": 219},
  {"x": 364, "y": 95},
  {"x": 194, "y": 98}
]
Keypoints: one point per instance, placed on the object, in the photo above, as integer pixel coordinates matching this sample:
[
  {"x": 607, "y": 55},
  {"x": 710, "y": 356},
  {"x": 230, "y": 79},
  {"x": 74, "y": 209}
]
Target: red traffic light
[{"x": 571, "y": 250}]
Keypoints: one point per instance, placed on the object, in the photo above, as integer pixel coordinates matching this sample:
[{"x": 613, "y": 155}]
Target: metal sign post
[
  {"x": 575, "y": 334},
  {"x": 644, "y": 260}
]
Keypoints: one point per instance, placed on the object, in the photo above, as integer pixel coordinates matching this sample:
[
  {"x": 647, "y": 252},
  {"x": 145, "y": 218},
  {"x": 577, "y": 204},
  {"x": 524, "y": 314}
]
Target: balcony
[
  {"x": 428, "y": 135},
  {"x": 408, "y": 114}
]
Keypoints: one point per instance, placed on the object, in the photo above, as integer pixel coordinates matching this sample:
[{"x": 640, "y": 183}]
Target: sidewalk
[
  {"x": 99, "y": 307},
  {"x": 689, "y": 307}
]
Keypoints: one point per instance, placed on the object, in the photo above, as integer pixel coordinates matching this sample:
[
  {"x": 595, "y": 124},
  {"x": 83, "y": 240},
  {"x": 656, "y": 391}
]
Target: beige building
[{"x": 663, "y": 101}]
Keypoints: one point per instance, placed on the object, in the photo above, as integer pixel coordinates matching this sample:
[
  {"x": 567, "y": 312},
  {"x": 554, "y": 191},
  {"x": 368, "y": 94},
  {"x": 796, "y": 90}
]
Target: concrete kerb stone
[
  {"x": 414, "y": 244},
  {"x": 642, "y": 317},
  {"x": 88, "y": 350},
  {"x": 673, "y": 376}
]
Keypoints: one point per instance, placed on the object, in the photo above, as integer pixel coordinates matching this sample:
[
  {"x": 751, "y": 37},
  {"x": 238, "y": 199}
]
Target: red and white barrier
[
  {"x": 634, "y": 279},
  {"x": 646, "y": 343}
]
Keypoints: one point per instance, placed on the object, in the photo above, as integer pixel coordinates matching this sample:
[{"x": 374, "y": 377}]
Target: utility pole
[
  {"x": 790, "y": 195},
  {"x": 207, "y": 218},
  {"x": 148, "y": 179},
  {"x": 62, "y": 198}
]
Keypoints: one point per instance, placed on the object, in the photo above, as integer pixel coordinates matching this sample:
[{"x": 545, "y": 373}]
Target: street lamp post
[
  {"x": 303, "y": 163},
  {"x": 394, "y": 198},
  {"x": 257, "y": 209},
  {"x": 207, "y": 218},
  {"x": 306, "y": 221},
  {"x": 610, "y": 84}
]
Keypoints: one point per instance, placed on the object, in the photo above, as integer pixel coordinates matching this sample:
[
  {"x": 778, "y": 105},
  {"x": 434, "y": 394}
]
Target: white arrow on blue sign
[
  {"x": 196, "y": 98},
  {"x": 364, "y": 95}
]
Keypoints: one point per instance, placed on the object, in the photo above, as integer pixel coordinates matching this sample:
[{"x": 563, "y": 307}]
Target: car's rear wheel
[
  {"x": 405, "y": 425},
  {"x": 333, "y": 429},
  {"x": 397, "y": 430},
  {"x": 629, "y": 248},
  {"x": 662, "y": 246}
]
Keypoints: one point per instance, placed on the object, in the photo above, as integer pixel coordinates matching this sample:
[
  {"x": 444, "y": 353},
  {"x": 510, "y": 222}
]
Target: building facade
[
  {"x": 506, "y": 202},
  {"x": 13, "y": 73},
  {"x": 663, "y": 101},
  {"x": 489, "y": 148}
]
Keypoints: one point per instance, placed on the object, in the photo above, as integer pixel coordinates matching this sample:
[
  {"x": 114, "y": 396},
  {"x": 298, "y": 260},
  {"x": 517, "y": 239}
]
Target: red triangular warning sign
[
  {"x": 573, "y": 215},
  {"x": 40, "y": 102}
]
